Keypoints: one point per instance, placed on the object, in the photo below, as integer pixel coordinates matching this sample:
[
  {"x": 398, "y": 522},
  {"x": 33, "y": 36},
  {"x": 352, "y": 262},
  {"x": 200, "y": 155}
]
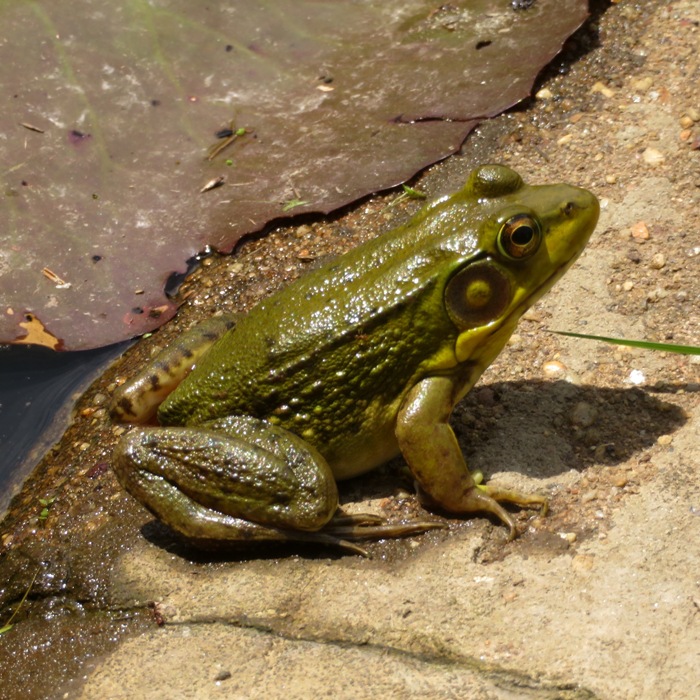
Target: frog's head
[{"x": 528, "y": 237}]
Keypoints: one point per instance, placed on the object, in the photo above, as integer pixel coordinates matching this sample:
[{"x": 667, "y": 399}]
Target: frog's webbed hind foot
[
  {"x": 342, "y": 532},
  {"x": 344, "y": 529}
]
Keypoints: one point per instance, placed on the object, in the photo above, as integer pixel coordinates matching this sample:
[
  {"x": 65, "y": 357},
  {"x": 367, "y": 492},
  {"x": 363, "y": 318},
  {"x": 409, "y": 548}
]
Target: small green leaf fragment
[
  {"x": 6, "y": 628},
  {"x": 293, "y": 203},
  {"x": 46, "y": 502},
  {"x": 413, "y": 193},
  {"x": 644, "y": 344}
]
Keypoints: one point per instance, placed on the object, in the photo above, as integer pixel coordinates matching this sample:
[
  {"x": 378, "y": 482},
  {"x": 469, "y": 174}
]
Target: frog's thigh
[
  {"x": 137, "y": 400},
  {"x": 202, "y": 481}
]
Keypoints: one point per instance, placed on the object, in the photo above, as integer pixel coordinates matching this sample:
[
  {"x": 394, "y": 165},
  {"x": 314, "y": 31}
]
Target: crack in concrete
[{"x": 526, "y": 685}]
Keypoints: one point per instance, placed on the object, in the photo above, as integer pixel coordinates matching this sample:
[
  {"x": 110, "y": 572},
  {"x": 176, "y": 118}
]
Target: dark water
[{"x": 38, "y": 388}]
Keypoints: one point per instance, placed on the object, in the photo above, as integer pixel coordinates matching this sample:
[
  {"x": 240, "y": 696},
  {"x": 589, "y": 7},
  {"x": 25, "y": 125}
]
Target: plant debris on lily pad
[{"x": 136, "y": 134}]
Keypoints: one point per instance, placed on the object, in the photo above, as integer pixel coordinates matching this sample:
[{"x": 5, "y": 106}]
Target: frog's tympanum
[{"x": 355, "y": 363}]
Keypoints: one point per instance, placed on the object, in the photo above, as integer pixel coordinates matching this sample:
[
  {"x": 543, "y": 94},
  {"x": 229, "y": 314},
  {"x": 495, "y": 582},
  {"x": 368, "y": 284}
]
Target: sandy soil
[{"x": 601, "y": 599}]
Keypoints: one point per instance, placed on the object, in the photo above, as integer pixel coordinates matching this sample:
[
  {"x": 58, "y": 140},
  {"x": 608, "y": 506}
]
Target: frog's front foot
[{"x": 488, "y": 499}]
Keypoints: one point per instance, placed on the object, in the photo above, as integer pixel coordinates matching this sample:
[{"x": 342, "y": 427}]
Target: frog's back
[{"x": 342, "y": 336}]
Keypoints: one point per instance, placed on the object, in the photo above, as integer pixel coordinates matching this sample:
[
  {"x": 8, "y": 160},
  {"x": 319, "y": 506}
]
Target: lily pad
[{"x": 135, "y": 134}]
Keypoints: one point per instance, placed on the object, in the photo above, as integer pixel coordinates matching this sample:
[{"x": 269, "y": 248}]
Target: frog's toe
[
  {"x": 489, "y": 499},
  {"x": 365, "y": 526},
  {"x": 341, "y": 519},
  {"x": 516, "y": 498}
]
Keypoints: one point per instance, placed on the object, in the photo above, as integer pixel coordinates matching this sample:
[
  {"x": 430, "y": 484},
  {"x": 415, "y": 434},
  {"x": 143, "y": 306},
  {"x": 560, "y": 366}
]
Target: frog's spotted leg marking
[{"x": 137, "y": 401}]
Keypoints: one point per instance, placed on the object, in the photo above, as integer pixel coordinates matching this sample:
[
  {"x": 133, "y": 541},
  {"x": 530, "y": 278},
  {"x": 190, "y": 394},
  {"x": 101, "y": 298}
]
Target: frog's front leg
[
  {"x": 137, "y": 401},
  {"x": 241, "y": 479},
  {"x": 431, "y": 450}
]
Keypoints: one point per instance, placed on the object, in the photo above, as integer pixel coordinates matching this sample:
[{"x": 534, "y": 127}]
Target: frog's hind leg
[
  {"x": 239, "y": 467},
  {"x": 240, "y": 479},
  {"x": 137, "y": 400},
  {"x": 209, "y": 529}
]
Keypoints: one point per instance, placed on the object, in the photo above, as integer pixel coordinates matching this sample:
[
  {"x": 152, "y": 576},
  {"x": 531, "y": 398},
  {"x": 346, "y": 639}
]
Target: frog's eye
[
  {"x": 519, "y": 237},
  {"x": 477, "y": 295}
]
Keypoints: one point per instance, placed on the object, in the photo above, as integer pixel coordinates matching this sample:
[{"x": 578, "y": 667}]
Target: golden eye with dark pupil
[
  {"x": 519, "y": 237},
  {"x": 477, "y": 294}
]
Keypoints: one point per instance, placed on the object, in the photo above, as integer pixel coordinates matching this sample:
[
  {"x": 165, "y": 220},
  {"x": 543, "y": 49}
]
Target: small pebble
[
  {"x": 653, "y": 156},
  {"x": 603, "y": 89},
  {"x": 583, "y": 562},
  {"x": 664, "y": 439},
  {"x": 583, "y": 414},
  {"x": 532, "y": 314},
  {"x": 642, "y": 84},
  {"x": 486, "y": 397},
  {"x": 620, "y": 480},
  {"x": 567, "y": 138},
  {"x": 640, "y": 232},
  {"x": 658, "y": 261},
  {"x": 515, "y": 341},
  {"x": 554, "y": 369},
  {"x": 656, "y": 294},
  {"x": 636, "y": 377},
  {"x": 634, "y": 255}
]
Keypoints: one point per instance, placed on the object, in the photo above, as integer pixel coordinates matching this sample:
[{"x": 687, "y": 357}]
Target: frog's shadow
[
  {"x": 210, "y": 552},
  {"x": 540, "y": 429},
  {"x": 543, "y": 429}
]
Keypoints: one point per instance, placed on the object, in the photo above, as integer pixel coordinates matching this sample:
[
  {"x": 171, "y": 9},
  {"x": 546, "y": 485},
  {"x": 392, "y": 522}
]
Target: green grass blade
[
  {"x": 8, "y": 625},
  {"x": 645, "y": 345}
]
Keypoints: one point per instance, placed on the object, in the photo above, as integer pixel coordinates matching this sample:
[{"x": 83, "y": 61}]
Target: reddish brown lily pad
[{"x": 111, "y": 111}]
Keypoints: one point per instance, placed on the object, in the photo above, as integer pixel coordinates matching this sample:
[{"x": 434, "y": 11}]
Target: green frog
[{"x": 354, "y": 363}]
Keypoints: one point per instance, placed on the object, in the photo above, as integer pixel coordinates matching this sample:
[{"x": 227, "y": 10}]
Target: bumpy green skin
[
  {"x": 331, "y": 356},
  {"x": 365, "y": 357}
]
